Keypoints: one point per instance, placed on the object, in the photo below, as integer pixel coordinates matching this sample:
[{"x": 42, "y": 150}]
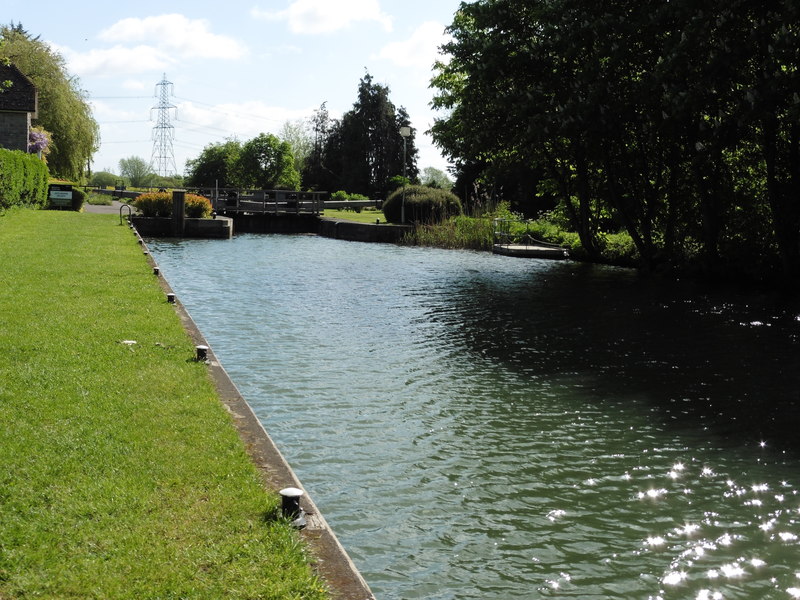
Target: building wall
[{"x": 14, "y": 128}]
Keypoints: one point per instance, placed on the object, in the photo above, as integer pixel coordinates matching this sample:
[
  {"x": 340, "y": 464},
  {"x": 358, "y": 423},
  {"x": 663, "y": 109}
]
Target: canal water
[{"x": 477, "y": 427}]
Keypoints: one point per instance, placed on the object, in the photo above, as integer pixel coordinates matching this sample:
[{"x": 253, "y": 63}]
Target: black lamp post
[{"x": 404, "y": 132}]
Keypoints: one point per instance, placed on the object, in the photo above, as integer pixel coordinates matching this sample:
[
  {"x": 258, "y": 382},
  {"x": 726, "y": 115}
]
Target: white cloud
[
  {"x": 152, "y": 44},
  {"x": 418, "y": 51},
  {"x": 176, "y": 34},
  {"x": 134, "y": 84},
  {"x": 116, "y": 60},
  {"x": 244, "y": 120},
  {"x": 326, "y": 16}
]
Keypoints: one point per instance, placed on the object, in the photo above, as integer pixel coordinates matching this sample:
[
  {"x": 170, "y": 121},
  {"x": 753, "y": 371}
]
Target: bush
[
  {"x": 197, "y": 207},
  {"x": 423, "y": 205},
  {"x": 154, "y": 204},
  {"x": 78, "y": 198},
  {"x": 159, "y": 204},
  {"x": 23, "y": 179}
]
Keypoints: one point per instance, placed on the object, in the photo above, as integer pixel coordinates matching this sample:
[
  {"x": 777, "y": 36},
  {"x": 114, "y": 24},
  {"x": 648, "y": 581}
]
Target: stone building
[{"x": 18, "y": 105}]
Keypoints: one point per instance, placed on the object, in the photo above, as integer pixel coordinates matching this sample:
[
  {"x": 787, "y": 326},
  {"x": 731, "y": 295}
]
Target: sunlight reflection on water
[{"x": 479, "y": 427}]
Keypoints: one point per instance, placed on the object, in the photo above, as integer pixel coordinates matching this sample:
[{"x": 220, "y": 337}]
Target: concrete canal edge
[{"x": 332, "y": 562}]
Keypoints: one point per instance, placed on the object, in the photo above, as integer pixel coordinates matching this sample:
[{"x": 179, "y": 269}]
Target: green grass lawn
[
  {"x": 365, "y": 216},
  {"x": 122, "y": 475}
]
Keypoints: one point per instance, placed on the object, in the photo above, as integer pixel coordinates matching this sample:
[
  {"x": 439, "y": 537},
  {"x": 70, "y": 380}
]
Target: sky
[{"x": 237, "y": 68}]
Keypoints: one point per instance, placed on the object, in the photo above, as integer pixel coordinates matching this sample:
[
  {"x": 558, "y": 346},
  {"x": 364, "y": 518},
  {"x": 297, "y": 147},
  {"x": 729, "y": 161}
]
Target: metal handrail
[{"x": 130, "y": 212}]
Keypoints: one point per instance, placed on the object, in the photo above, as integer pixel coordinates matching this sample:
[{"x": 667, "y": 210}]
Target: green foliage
[
  {"x": 363, "y": 150},
  {"x": 197, "y": 207},
  {"x": 217, "y": 165},
  {"x": 23, "y": 180},
  {"x": 137, "y": 171},
  {"x": 674, "y": 122},
  {"x": 396, "y": 182},
  {"x": 159, "y": 204},
  {"x": 267, "y": 163},
  {"x": 63, "y": 109},
  {"x": 78, "y": 198},
  {"x": 422, "y": 205},
  {"x": 264, "y": 162},
  {"x": 457, "y": 232},
  {"x": 170, "y": 182},
  {"x": 298, "y": 134},
  {"x": 436, "y": 178},
  {"x": 154, "y": 204},
  {"x": 342, "y": 196},
  {"x": 103, "y": 179}
]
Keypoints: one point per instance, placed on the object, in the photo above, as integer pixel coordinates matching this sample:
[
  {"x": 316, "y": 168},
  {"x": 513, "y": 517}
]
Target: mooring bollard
[
  {"x": 155, "y": 271},
  {"x": 202, "y": 353},
  {"x": 290, "y": 506},
  {"x": 171, "y": 298}
]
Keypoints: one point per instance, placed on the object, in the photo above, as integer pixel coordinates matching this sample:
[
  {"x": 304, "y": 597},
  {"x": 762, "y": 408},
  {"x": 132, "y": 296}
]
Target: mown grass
[
  {"x": 367, "y": 215},
  {"x": 122, "y": 475}
]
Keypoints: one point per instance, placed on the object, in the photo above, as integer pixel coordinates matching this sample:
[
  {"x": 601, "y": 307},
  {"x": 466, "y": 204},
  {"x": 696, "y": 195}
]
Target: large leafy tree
[
  {"x": 136, "y": 170},
  {"x": 63, "y": 107},
  {"x": 675, "y": 121},
  {"x": 217, "y": 165},
  {"x": 265, "y": 162}
]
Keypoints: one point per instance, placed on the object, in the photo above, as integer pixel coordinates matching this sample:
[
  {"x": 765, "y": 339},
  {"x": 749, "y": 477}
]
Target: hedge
[
  {"x": 159, "y": 204},
  {"x": 23, "y": 179},
  {"x": 422, "y": 205}
]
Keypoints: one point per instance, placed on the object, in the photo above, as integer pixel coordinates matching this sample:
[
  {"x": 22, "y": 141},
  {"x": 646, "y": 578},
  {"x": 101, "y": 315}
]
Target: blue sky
[{"x": 238, "y": 67}]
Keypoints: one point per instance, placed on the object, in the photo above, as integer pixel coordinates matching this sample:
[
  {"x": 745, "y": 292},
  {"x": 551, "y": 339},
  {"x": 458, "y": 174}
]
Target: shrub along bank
[{"x": 123, "y": 476}]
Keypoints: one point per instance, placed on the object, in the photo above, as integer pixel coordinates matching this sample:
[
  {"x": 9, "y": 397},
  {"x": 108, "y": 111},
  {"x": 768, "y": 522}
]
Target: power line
[{"x": 215, "y": 108}]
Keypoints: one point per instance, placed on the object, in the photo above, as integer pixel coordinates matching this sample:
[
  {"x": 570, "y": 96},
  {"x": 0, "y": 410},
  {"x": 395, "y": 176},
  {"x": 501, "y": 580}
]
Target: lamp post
[{"x": 404, "y": 132}]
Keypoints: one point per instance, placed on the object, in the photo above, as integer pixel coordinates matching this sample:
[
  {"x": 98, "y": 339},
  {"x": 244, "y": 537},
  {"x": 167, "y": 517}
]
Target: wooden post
[{"x": 178, "y": 207}]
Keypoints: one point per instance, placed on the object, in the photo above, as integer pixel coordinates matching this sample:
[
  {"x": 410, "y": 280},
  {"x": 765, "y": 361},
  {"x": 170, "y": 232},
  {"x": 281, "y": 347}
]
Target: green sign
[{"x": 60, "y": 194}]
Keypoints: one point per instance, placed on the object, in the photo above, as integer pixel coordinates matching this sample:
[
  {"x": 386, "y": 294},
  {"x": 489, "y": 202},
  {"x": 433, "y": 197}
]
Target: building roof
[{"x": 22, "y": 96}]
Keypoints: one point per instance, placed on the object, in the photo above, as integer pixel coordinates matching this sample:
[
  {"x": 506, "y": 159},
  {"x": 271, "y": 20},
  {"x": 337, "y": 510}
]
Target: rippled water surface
[{"x": 476, "y": 426}]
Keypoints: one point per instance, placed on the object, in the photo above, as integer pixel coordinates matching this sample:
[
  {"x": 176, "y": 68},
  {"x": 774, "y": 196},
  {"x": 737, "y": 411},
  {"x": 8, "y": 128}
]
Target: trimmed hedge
[
  {"x": 423, "y": 205},
  {"x": 159, "y": 204},
  {"x": 23, "y": 179}
]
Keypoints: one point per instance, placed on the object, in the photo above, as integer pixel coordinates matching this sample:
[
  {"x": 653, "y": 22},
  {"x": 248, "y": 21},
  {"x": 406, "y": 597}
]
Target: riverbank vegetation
[
  {"x": 673, "y": 123},
  {"x": 122, "y": 476}
]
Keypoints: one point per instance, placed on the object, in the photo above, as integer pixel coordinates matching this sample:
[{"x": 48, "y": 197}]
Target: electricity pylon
[{"x": 162, "y": 161}]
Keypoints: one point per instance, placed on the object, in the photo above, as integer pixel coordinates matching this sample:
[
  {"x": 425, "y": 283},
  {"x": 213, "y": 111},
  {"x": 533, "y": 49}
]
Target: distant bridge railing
[
  {"x": 246, "y": 201},
  {"x": 251, "y": 201}
]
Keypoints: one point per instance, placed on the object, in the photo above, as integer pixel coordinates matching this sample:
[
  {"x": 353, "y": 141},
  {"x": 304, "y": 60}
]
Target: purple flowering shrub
[{"x": 38, "y": 140}]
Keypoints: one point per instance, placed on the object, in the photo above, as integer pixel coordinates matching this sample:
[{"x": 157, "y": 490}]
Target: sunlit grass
[
  {"x": 122, "y": 475},
  {"x": 367, "y": 215}
]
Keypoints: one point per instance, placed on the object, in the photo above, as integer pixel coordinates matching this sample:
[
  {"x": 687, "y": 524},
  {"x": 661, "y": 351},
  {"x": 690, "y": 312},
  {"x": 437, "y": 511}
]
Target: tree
[
  {"x": 436, "y": 178},
  {"x": 365, "y": 148},
  {"x": 63, "y": 107},
  {"x": 267, "y": 163},
  {"x": 300, "y": 139},
  {"x": 136, "y": 170},
  {"x": 103, "y": 179},
  {"x": 675, "y": 122},
  {"x": 217, "y": 165}
]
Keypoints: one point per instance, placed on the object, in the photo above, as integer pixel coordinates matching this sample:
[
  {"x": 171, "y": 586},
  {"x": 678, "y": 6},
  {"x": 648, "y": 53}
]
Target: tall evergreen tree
[{"x": 365, "y": 149}]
